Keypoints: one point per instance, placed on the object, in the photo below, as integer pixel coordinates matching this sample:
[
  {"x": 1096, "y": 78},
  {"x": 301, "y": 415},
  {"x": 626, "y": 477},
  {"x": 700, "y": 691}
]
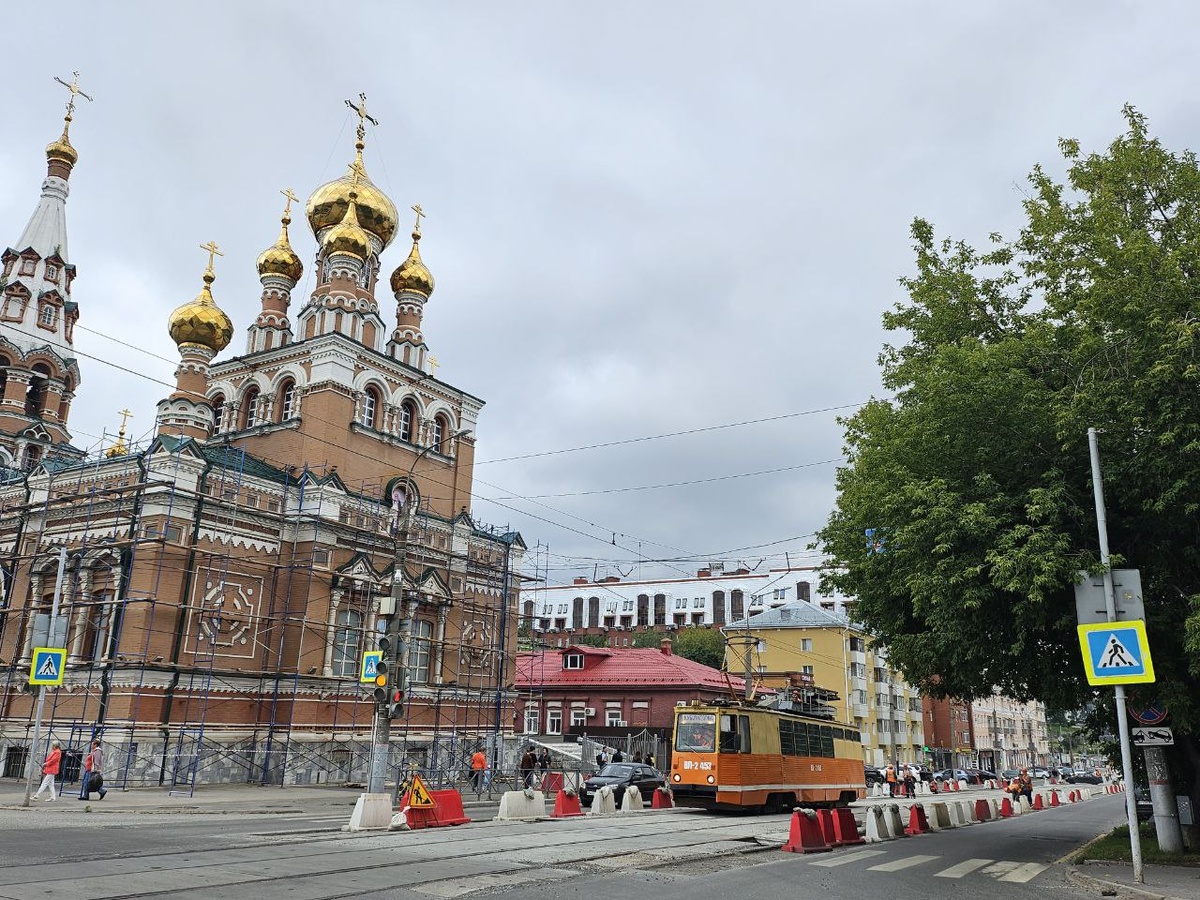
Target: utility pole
[
  {"x": 34, "y": 749},
  {"x": 1110, "y": 604}
]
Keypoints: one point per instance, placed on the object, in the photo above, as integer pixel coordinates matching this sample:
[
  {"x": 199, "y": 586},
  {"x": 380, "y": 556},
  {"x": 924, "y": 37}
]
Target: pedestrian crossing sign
[
  {"x": 47, "y": 666},
  {"x": 418, "y": 794},
  {"x": 1116, "y": 652},
  {"x": 370, "y": 660}
]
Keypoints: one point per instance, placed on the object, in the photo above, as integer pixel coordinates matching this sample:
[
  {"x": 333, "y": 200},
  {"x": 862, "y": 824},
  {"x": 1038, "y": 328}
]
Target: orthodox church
[{"x": 222, "y": 584}]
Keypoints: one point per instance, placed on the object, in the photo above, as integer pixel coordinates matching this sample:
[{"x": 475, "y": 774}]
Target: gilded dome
[
  {"x": 62, "y": 151},
  {"x": 347, "y": 236},
  {"x": 413, "y": 275},
  {"x": 201, "y": 321},
  {"x": 280, "y": 259},
  {"x": 376, "y": 212}
]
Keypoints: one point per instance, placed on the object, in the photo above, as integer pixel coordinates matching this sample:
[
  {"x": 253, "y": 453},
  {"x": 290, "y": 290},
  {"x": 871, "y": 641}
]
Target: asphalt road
[{"x": 303, "y": 855}]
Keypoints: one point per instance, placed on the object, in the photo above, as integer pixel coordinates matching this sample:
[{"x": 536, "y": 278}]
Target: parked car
[
  {"x": 1010, "y": 774},
  {"x": 1084, "y": 778},
  {"x": 1039, "y": 772},
  {"x": 921, "y": 773},
  {"x": 1145, "y": 809},
  {"x": 980, "y": 775},
  {"x": 873, "y": 775},
  {"x": 953, "y": 775},
  {"x": 619, "y": 776}
]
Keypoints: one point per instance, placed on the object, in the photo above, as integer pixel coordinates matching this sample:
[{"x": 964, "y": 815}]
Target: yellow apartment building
[{"x": 800, "y": 638}]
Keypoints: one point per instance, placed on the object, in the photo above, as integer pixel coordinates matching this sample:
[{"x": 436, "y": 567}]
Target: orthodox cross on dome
[
  {"x": 73, "y": 87},
  {"x": 291, "y": 198},
  {"x": 416, "y": 207},
  {"x": 363, "y": 117},
  {"x": 213, "y": 251},
  {"x": 124, "y": 414},
  {"x": 433, "y": 366}
]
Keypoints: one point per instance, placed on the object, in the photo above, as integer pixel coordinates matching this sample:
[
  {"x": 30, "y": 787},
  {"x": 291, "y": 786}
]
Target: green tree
[
  {"x": 702, "y": 645},
  {"x": 975, "y": 476}
]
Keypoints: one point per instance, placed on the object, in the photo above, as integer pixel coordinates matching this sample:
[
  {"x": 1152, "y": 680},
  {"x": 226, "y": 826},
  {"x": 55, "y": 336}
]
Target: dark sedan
[
  {"x": 619, "y": 776},
  {"x": 1084, "y": 778},
  {"x": 872, "y": 775}
]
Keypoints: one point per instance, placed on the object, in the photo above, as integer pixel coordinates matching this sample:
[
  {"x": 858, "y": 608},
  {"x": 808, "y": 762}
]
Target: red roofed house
[{"x": 610, "y": 690}]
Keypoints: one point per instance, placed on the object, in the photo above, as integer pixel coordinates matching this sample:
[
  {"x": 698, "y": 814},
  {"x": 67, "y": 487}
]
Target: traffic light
[
  {"x": 396, "y": 707},
  {"x": 383, "y": 669}
]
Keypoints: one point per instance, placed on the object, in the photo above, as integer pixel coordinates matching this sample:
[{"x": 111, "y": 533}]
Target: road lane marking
[
  {"x": 832, "y": 861},
  {"x": 907, "y": 863},
  {"x": 966, "y": 867},
  {"x": 1024, "y": 873},
  {"x": 1000, "y": 868}
]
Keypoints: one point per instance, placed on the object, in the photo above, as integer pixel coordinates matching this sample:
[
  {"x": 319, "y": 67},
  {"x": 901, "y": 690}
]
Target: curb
[{"x": 1114, "y": 888}]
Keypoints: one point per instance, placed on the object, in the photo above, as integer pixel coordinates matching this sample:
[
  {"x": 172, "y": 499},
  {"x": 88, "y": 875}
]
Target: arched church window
[
  {"x": 31, "y": 456},
  {"x": 346, "y": 636},
  {"x": 370, "y": 406},
  {"x": 5, "y": 362},
  {"x": 218, "y": 409},
  {"x": 35, "y": 395},
  {"x": 287, "y": 401},
  {"x": 438, "y": 435},
  {"x": 408, "y": 415},
  {"x": 250, "y": 408}
]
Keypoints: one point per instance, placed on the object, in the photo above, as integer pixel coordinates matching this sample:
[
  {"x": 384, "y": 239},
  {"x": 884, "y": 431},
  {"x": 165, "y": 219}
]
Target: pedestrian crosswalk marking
[
  {"x": 1024, "y": 873},
  {"x": 830, "y": 862},
  {"x": 966, "y": 867},
  {"x": 1001, "y": 868},
  {"x": 905, "y": 863}
]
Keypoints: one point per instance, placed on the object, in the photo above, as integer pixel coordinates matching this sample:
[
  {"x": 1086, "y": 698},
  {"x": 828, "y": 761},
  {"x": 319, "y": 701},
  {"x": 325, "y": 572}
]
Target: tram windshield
[{"x": 696, "y": 732}]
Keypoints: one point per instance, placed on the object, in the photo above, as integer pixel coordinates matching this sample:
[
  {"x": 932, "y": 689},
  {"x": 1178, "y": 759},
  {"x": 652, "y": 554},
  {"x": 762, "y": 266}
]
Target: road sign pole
[
  {"x": 1110, "y": 603},
  {"x": 34, "y": 748}
]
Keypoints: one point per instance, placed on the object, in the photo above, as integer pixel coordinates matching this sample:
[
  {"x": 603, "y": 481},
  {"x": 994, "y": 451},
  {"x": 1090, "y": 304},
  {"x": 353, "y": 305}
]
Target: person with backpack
[{"x": 93, "y": 773}]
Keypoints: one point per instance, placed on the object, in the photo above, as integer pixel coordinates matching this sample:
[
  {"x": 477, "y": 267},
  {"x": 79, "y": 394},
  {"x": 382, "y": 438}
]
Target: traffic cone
[
  {"x": 983, "y": 812},
  {"x": 1037, "y": 802},
  {"x": 918, "y": 823},
  {"x": 566, "y": 805},
  {"x": 845, "y": 829},
  {"x": 1054, "y": 801},
  {"x": 805, "y": 834},
  {"x": 1006, "y": 810}
]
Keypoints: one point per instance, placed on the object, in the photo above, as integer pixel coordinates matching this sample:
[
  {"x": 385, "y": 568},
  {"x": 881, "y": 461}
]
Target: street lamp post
[{"x": 397, "y": 631}]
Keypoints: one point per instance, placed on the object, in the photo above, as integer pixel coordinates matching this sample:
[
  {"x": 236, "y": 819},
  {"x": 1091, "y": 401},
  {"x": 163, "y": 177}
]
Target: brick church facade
[{"x": 222, "y": 582}]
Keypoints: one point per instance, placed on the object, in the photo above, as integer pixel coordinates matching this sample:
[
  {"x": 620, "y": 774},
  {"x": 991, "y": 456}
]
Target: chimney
[
  {"x": 704, "y": 573},
  {"x": 609, "y": 579},
  {"x": 665, "y": 646},
  {"x": 579, "y": 579}
]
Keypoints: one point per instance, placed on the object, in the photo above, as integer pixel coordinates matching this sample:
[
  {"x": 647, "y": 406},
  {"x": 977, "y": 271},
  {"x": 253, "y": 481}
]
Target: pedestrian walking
[
  {"x": 618, "y": 756},
  {"x": 50, "y": 769},
  {"x": 93, "y": 773},
  {"x": 527, "y": 765},
  {"x": 910, "y": 784},
  {"x": 890, "y": 775},
  {"x": 544, "y": 761},
  {"x": 478, "y": 769}
]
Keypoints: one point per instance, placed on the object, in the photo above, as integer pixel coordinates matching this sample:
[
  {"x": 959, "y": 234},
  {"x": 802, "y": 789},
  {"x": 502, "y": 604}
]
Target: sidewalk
[
  {"x": 1113, "y": 879},
  {"x": 214, "y": 799}
]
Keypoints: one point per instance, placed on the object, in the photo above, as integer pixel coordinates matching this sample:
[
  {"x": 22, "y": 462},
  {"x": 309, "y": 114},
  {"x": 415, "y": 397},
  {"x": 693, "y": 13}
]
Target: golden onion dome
[
  {"x": 412, "y": 274},
  {"x": 280, "y": 259},
  {"x": 376, "y": 212},
  {"x": 62, "y": 151},
  {"x": 201, "y": 321},
  {"x": 347, "y": 236}
]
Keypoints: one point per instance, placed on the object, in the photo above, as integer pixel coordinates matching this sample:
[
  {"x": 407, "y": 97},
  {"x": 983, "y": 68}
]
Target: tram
[{"x": 762, "y": 758}]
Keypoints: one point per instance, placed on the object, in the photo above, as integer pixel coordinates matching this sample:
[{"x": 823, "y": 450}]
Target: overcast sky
[{"x": 643, "y": 218}]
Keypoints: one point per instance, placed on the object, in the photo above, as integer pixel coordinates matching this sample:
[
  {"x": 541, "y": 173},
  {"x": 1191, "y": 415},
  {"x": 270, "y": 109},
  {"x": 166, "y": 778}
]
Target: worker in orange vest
[
  {"x": 890, "y": 774},
  {"x": 478, "y": 768}
]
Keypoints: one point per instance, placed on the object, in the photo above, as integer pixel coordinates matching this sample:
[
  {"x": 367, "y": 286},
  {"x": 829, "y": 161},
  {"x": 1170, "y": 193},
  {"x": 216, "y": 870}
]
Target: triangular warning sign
[
  {"x": 418, "y": 794},
  {"x": 1116, "y": 655},
  {"x": 48, "y": 668}
]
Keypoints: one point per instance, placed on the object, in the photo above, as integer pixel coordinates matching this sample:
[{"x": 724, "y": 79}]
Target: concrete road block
[
  {"x": 518, "y": 805},
  {"x": 940, "y": 815},
  {"x": 603, "y": 803},
  {"x": 631, "y": 802},
  {"x": 371, "y": 811},
  {"x": 876, "y": 828},
  {"x": 893, "y": 821}
]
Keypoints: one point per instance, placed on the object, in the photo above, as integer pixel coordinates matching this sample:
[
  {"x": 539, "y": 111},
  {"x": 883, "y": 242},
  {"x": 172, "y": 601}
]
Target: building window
[
  {"x": 806, "y": 645},
  {"x": 531, "y": 720},
  {"x": 250, "y": 408},
  {"x": 437, "y": 437},
  {"x": 408, "y": 412},
  {"x": 370, "y": 403},
  {"x": 554, "y": 721},
  {"x": 48, "y": 316},
  {"x": 806, "y": 670},
  {"x": 419, "y": 652},
  {"x": 681, "y": 602},
  {"x": 287, "y": 401},
  {"x": 858, "y": 670},
  {"x": 573, "y": 661},
  {"x": 857, "y": 645},
  {"x": 218, "y": 411},
  {"x": 27, "y": 266},
  {"x": 578, "y": 718},
  {"x": 52, "y": 272},
  {"x": 346, "y": 637},
  {"x": 612, "y": 718}
]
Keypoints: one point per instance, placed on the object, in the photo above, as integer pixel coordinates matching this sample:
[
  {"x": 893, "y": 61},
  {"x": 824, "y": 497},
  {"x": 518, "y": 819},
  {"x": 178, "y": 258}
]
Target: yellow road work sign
[{"x": 418, "y": 794}]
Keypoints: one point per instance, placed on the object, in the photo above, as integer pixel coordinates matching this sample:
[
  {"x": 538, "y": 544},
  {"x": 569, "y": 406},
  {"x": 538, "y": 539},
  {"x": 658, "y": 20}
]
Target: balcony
[
  {"x": 858, "y": 710},
  {"x": 857, "y": 656}
]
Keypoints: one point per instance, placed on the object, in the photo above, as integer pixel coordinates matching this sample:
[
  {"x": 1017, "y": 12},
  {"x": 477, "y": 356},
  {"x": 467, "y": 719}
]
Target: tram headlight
[
  {"x": 677, "y": 777},
  {"x": 711, "y": 780}
]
